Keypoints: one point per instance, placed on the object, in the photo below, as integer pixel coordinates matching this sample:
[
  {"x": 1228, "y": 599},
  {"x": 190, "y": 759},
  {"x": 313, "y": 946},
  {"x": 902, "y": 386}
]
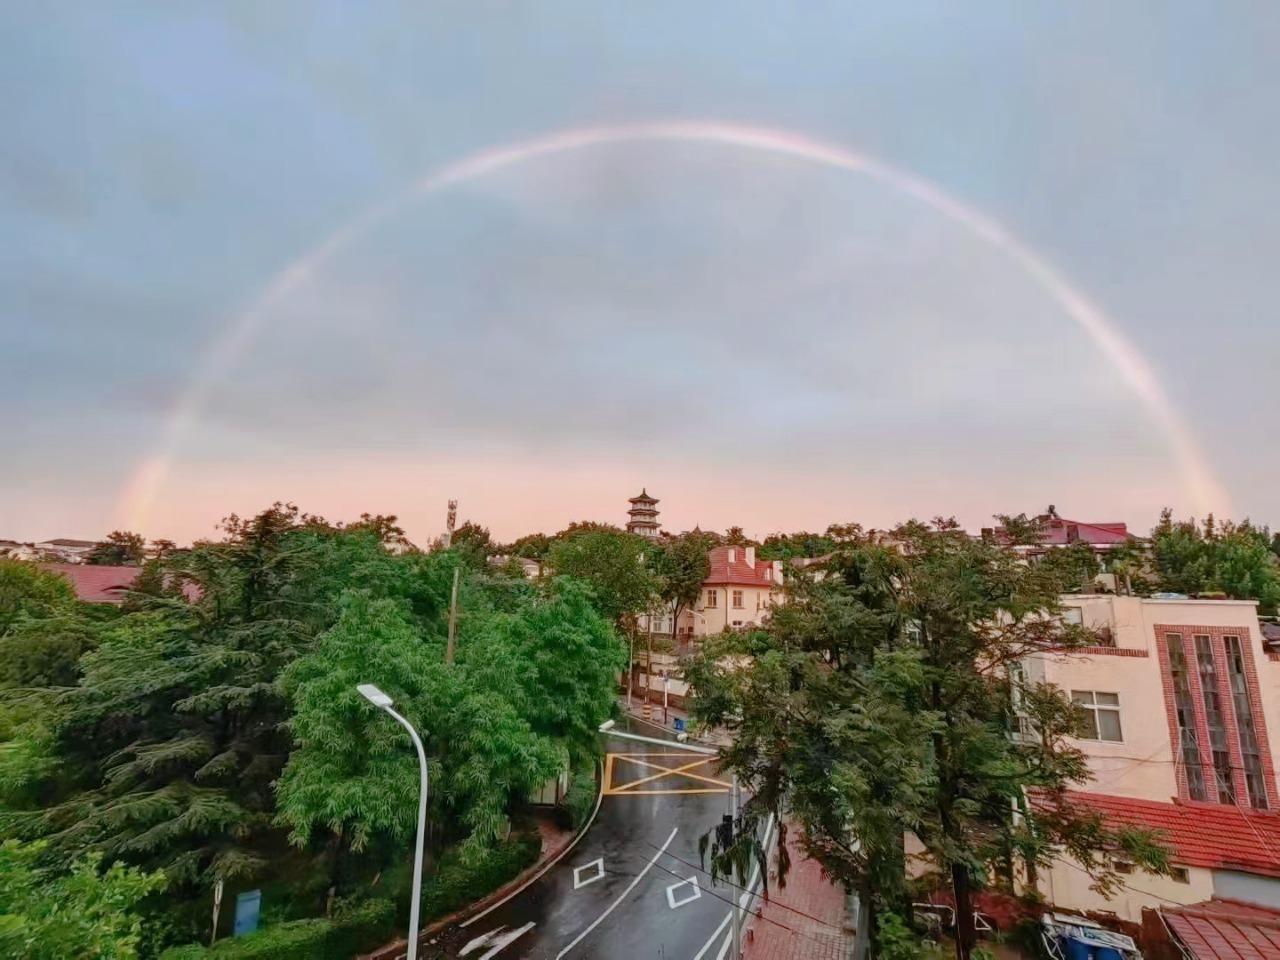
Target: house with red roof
[{"x": 1224, "y": 929}]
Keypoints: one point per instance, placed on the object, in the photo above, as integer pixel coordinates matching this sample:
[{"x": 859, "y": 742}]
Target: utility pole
[{"x": 453, "y": 617}]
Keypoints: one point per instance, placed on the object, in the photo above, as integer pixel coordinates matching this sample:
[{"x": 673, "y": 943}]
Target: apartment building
[{"x": 1183, "y": 704}]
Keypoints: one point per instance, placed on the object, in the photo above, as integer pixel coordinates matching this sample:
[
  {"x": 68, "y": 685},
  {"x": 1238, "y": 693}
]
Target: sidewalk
[{"x": 803, "y": 921}]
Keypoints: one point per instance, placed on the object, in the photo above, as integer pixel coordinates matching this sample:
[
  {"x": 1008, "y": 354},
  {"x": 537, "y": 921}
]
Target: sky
[{"x": 757, "y": 339}]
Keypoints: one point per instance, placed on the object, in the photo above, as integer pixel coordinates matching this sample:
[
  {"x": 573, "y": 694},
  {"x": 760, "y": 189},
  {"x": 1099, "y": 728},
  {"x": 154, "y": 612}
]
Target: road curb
[{"x": 552, "y": 861}]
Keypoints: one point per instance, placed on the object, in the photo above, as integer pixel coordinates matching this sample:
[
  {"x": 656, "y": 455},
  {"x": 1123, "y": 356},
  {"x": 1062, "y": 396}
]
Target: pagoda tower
[{"x": 644, "y": 516}]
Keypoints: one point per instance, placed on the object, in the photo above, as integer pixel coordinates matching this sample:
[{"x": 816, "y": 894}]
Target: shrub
[
  {"x": 352, "y": 930},
  {"x": 456, "y": 882},
  {"x": 580, "y": 798}
]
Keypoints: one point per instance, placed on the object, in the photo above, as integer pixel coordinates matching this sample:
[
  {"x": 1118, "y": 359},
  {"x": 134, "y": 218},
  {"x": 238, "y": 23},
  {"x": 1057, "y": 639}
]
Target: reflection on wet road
[{"x": 633, "y": 886}]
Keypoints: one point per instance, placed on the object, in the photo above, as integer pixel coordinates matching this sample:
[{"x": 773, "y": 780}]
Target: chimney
[{"x": 751, "y": 557}]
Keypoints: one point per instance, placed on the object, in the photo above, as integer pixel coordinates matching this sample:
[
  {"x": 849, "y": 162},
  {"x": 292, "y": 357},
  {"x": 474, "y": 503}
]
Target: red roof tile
[
  {"x": 1226, "y": 930},
  {"x": 737, "y": 571},
  {"x": 97, "y": 584},
  {"x": 1212, "y": 835}
]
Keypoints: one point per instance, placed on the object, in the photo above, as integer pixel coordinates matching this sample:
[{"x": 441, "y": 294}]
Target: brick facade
[{"x": 1222, "y": 686}]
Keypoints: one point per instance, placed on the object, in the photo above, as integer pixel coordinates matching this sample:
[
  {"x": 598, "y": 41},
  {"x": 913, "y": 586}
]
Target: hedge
[
  {"x": 580, "y": 798},
  {"x": 354, "y": 930},
  {"x": 455, "y": 883}
]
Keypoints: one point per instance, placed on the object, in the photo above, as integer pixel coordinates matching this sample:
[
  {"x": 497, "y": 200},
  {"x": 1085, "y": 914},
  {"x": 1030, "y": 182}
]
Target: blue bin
[
  {"x": 1078, "y": 949},
  {"x": 1107, "y": 953},
  {"x": 679, "y": 724}
]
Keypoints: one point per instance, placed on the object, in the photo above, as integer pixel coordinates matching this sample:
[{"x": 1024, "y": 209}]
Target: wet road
[{"x": 632, "y": 887}]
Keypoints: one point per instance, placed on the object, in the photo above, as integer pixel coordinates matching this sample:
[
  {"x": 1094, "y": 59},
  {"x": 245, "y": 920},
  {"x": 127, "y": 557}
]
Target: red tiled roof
[
  {"x": 1211, "y": 835},
  {"x": 97, "y": 584},
  {"x": 738, "y": 571},
  {"x": 1056, "y": 532},
  {"x": 1226, "y": 930}
]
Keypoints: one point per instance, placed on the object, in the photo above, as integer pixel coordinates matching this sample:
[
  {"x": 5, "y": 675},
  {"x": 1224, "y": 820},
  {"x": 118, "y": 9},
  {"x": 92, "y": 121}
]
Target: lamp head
[{"x": 374, "y": 695}]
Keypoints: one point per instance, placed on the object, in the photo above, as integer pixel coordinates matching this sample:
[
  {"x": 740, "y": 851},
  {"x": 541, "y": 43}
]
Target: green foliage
[
  {"x": 895, "y": 940},
  {"x": 120, "y": 549},
  {"x": 459, "y": 879},
  {"x": 615, "y": 565},
  {"x": 580, "y": 798},
  {"x": 880, "y": 702},
  {"x": 1231, "y": 558},
  {"x": 47, "y": 914},
  {"x": 352, "y": 930},
  {"x": 1074, "y": 565},
  {"x": 681, "y": 563}
]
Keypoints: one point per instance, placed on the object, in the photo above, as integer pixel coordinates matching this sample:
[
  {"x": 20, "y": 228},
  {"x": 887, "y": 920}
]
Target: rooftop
[
  {"x": 97, "y": 584},
  {"x": 1226, "y": 930},
  {"x": 758, "y": 573},
  {"x": 1210, "y": 835}
]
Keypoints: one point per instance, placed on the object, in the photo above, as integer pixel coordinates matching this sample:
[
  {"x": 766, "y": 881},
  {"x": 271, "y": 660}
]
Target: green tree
[
  {"x": 1231, "y": 558},
  {"x": 681, "y": 563},
  {"x": 1075, "y": 565},
  {"x": 121, "y": 548},
  {"x": 881, "y": 701},
  {"x": 85, "y": 912},
  {"x": 615, "y": 565}
]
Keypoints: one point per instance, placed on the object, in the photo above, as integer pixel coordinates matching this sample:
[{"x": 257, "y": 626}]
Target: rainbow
[{"x": 147, "y": 480}]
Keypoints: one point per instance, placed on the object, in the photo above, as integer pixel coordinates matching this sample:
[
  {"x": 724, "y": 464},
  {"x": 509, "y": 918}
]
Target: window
[
  {"x": 1122, "y": 866},
  {"x": 1179, "y": 875},
  {"x": 737, "y": 599},
  {"x": 1102, "y": 714},
  {"x": 1073, "y": 616},
  {"x": 1254, "y": 781},
  {"x": 1219, "y": 748},
  {"x": 737, "y": 623},
  {"x": 711, "y": 598},
  {"x": 1188, "y": 741}
]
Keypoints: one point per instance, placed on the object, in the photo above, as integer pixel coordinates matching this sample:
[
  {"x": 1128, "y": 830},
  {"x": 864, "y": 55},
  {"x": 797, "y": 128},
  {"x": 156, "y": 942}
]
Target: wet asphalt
[{"x": 645, "y": 842}]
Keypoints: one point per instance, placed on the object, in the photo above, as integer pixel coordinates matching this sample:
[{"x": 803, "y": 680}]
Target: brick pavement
[{"x": 821, "y": 935}]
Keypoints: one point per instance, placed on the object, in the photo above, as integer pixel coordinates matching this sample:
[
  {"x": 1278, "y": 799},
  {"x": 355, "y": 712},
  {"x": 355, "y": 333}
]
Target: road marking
[
  {"x": 664, "y": 771},
  {"x": 640, "y": 876},
  {"x": 671, "y": 896},
  {"x": 506, "y": 941},
  {"x": 712, "y": 939},
  {"x": 579, "y": 883}
]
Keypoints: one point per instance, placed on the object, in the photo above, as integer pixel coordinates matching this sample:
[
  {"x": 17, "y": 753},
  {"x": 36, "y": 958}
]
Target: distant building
[
  {"x": 68, "y": 551},
  {"x": 97, "y": 584},
  {"x": 644, "y": 516},
  {"x": 1058, "y": 532}
]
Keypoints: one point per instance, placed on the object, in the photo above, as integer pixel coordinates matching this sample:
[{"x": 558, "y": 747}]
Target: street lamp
[{"x": 383, "y": 702}]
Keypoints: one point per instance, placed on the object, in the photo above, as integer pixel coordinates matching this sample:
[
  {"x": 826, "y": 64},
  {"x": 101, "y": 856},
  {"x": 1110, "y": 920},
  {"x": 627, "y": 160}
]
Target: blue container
[
  {"x": 679, "y": 724},
  {"x": 1107, "y": 953},
  {"x": 1078, "y": 949}
]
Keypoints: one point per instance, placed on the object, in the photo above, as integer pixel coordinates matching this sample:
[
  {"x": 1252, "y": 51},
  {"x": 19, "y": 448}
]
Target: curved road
[{"x": 632, "y": 887}]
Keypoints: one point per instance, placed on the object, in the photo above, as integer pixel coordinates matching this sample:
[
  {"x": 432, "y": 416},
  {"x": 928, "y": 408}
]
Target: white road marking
[
  {"x": 482, "y": 940},
  {"x": 671, "y": 897},
  {"x": 625, "y": 893},
  {"x": 506, "y": 940},
  {"x": 598, "y": 864},
  {"x": 712, "y": 939}
]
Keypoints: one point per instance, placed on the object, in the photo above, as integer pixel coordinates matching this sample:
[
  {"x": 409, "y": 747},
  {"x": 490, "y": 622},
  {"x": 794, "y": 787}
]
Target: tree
[
  {"x": 120, "y": 549},
  {"x": 682, "y": 564},
  {"x": 1231, "y": 558},
  {"x": 85, "y": 912},
  {"x": 533, "y": 546},
  {"x": 616, "y": 567},
  {"x": 881, "y": 700},
  {"x": 1075, "y": 565},
  {"x": 788, "y": 546}
]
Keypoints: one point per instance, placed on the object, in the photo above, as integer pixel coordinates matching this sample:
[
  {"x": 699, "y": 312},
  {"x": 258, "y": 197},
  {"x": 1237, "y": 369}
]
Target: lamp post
[{"x": 383, "y": 702}]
